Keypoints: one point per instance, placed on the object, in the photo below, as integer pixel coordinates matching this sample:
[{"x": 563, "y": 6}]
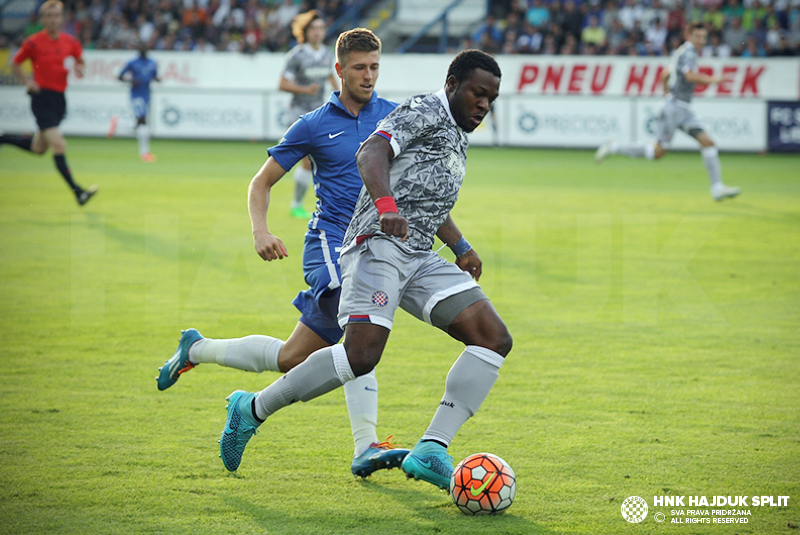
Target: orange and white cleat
[{"x": 148, "y": 157}]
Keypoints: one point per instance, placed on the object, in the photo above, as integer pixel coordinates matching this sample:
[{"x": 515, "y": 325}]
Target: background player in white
[
  {"x": 308, "y": 66},
  {"x": 139, "y": 72},
  {"x": 330, "y": 135},
  {"x": 412, "y": 167},
  {"x": 679, "y": 81}
]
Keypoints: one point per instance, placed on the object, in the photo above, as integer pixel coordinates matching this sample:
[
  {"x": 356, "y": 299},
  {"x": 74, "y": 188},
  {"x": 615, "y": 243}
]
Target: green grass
[{"x": 656, "y": 348}]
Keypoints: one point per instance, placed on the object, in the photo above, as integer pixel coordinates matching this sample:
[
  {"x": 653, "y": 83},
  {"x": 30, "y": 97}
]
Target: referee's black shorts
[{"x": 49, "y": 108}]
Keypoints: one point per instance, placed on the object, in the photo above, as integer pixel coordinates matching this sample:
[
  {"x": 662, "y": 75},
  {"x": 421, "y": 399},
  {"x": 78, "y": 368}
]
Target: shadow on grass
[{"x": 406, "y": 511}]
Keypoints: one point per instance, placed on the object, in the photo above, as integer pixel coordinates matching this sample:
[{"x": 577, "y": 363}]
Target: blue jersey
[
  {"x": 143, "y": 71},
  {"x": 330, "y": 136}
]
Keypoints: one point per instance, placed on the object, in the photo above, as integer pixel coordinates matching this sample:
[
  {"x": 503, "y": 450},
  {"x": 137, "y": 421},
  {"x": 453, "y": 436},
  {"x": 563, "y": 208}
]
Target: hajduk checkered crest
[{"x": 634, "y": 509}]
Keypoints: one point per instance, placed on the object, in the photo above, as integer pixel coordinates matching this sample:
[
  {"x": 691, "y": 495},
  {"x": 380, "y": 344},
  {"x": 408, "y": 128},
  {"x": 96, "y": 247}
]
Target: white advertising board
[
  {"x": 208, "y": 115},
  {"x": 773, "y": 78},
  {"x": 567, "y": 122},
  {"x": 734, "y": 125},
  {"x": 15, "y": 109}
]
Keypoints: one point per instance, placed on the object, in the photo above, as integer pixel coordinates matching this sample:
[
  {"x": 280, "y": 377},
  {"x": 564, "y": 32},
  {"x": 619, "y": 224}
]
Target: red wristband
[{"x": 385, "y": 204}]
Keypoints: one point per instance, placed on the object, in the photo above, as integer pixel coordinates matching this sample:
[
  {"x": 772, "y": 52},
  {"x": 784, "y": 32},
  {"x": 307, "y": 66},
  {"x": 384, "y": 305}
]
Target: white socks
[
  {"x": 254, "y": 353},
  {"x": 302, "y": 179},
  {"x": 711, "y": 160},
  {"x": 361, "y": 395},
  {"x": 322, "y": 372},
  {"x": 634, "y": 151},
  {"x": 468, "y": 383},
  {"x": 143, "y": 137}
]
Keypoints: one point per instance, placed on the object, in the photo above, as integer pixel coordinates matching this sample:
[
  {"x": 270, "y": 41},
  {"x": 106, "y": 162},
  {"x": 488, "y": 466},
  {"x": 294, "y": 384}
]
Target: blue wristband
[{"x": 461, "y": 247}]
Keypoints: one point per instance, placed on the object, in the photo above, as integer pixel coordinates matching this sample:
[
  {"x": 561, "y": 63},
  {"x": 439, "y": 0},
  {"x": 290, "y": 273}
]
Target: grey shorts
[
  {"x": 378, "y": 276},
  {"x": 676, "y": 114}
]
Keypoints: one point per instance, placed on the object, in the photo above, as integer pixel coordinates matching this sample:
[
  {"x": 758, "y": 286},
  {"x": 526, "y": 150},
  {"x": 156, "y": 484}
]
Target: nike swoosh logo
[
  {"x": 331, "y": 136},
  {"x": 425, "y": 464},
  {"x": 480, "y": 489},
  {"x": 370, "y": 389}
]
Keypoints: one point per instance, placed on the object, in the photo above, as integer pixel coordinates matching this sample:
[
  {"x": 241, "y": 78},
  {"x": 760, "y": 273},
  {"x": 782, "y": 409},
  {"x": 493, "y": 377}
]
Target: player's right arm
[
  {"x": 373, "y": 163},
  {"x": 268, "y": 246},
  {"x": 665, "y": 80},
  {"x": 696, "y": 77},
  {"x": 297, "y": 89},
  {"x": 25, "y": 52}
]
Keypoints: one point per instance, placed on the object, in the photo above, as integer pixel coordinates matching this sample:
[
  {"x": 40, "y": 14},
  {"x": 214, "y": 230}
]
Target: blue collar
[{"x": 338, "y": 103}]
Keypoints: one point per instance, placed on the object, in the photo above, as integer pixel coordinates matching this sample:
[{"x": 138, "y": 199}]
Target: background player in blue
[
  {"x": 139, "y": 72},
  {"x": 330, "y": 136}
]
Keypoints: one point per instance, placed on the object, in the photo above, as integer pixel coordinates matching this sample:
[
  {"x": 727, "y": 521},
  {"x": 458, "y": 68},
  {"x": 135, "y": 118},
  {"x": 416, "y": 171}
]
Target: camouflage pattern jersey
[{"x": 425, "y": 175}]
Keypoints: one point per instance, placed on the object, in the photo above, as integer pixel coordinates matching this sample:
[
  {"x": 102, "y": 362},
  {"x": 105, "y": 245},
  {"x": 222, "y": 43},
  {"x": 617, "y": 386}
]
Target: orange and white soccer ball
[{"x": 483, "y": 484}]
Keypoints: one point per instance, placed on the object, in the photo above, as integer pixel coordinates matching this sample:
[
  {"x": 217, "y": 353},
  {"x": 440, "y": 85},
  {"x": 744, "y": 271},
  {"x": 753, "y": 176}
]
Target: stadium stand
[{"x": 747, "y": 28}]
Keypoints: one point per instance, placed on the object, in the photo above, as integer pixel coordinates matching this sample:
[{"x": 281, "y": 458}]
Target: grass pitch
[{"x": 656, "y": 348}]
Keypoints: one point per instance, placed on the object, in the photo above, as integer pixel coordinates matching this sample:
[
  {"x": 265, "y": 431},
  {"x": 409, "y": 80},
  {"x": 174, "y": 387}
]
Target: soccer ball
[{"x": 483, "y": 484}]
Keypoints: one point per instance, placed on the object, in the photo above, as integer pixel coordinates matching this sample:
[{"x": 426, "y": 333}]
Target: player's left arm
[
  {"x": 466, "y": 257},
  {"x": 80, "y": 64}
]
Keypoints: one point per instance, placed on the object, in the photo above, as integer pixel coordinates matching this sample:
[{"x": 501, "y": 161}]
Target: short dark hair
[
  {"x": 692, "y": 26},
  {"x": 356, "y": 40},
  {"x": 467, "y": 61}
]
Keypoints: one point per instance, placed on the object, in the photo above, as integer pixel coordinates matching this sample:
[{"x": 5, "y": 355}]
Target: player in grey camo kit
[
  {"x": 308, "y": 66},
  {"x": 412, "y": 168},
  {"x": 679, "y": 81}
]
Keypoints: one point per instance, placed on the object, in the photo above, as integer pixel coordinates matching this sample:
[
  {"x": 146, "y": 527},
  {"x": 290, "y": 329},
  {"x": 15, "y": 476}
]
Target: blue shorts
[{"x": 319, "y": 305}]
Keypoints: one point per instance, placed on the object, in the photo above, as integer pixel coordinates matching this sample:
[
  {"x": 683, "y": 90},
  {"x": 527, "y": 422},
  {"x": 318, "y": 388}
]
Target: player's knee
[
  {"x": 362, "y": 360},
  {"x": 501, "y": 342},
  {"x": 289, "y": 359},
  {"x": 59, "y": 147}
]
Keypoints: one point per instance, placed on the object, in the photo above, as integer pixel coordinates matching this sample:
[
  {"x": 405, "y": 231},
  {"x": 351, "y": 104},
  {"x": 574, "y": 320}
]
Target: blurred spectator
[
  {"x": 752, "y": 15},
  {"x": 735, "y": 36},
  {"x": 714, "y": 19},
  {"x": 573, "y": 20},
  {"x": 676, "y": 20},
  {"x": 538, "y": 15},
  {"x": 630, "y": 14},
  {"x": 656, "y": 34},
  {"x": 593, "y": 34},
  {"x": 616, "y": 35},
  {"x": 715, "y": 47},
  {"x": 652, "y": 13},
  {"x": 753, "y": 49},
  {"x": 732, "y": 10},
  {"x": 488, "y": 35}
]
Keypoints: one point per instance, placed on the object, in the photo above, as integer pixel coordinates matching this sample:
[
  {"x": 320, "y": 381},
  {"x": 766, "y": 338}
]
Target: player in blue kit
[
  {"x": 139, "y": 72},
  {"x": 330, "y": 136}
]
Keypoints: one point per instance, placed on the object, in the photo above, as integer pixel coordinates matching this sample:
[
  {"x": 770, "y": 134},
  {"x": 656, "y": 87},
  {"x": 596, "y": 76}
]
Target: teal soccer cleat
[
  {"x": 429, "y": 462},
  {"x": 240, "y": 426},
  {"x": 378, "y": 456},
  {"x": 179, "y": 363}
]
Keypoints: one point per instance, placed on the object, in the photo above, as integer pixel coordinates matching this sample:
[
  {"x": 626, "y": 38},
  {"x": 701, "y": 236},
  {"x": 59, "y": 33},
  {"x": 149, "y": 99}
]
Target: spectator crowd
[
  {"x": 191, "y": 25},
  {"x": 746, "y": 28}
]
